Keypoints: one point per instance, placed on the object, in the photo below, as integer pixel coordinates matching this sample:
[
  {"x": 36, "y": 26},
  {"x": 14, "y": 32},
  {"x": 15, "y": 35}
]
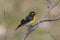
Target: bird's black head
[{"x": 32, "y": 13}]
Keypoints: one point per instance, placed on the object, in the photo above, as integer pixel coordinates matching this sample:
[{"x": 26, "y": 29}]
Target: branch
[
  {"x": 6, "y": 23},
  {"x": 52, "y": 35},
  {"x": 52, "y": 3},
  {"x": 32, "y": 28},
  {"x": 29, "y": 30}
]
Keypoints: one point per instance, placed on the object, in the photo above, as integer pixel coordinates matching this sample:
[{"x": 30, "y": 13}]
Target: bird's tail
[{"x": 18, "y": 26}]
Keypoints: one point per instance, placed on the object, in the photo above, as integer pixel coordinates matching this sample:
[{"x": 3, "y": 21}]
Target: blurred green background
[{"x": 15, "y": 10}]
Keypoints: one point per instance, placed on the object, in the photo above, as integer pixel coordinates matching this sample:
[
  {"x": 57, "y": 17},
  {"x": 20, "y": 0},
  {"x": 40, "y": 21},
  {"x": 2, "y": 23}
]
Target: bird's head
[{"x": 32, "y": 13}]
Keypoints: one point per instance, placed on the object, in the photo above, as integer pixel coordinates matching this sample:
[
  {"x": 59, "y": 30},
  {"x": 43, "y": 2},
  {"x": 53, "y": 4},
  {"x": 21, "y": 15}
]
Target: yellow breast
[{"x": 33, "y": 21}]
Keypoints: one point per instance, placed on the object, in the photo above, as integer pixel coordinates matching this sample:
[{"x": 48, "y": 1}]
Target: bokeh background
[{"x": 15, "y": 10}]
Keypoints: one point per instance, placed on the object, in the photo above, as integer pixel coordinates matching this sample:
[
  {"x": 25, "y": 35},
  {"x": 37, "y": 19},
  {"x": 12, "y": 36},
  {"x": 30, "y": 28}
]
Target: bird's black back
[{"x": 27, "y": 19}]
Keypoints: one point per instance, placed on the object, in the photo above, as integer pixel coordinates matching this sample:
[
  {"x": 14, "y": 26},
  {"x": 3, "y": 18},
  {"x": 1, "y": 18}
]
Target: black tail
[{"x": 18, "y": 26}]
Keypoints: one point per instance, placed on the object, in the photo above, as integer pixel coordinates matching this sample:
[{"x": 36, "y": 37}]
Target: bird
[{"x": 30, "y": 19}]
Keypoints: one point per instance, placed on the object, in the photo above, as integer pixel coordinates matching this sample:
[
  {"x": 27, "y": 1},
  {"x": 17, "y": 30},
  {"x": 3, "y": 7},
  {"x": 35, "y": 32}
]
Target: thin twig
[
  {"x": 52, "y": 3},
  {"x": 28, "y": 31},
  {"x": 52, "y": 35},
  {"x": 6, "y": 25}
]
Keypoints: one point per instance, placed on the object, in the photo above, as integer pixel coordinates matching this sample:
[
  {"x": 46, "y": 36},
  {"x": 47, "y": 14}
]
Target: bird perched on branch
[{"x": 30, "y": 19}]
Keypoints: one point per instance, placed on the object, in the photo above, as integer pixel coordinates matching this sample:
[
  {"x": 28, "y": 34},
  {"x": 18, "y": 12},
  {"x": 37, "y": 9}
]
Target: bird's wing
[
  {"x": 24, "y": 21},
  {"x": 29, "y": 17}
]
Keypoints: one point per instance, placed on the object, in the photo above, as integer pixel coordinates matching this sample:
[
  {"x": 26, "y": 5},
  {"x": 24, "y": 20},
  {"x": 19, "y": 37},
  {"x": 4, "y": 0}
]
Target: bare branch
[
  {"x": 52, "y": 35},
  {"x": 29, "y": 30},
  {"x": 52, "y": 3},
  {"x": 32, "y": 28},
  {"x": 46, "y": 15},
  {"x": 6, "y": 23}
]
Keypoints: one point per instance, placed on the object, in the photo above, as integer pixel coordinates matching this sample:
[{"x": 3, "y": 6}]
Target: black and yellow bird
[{"x": 31, "y": 18}]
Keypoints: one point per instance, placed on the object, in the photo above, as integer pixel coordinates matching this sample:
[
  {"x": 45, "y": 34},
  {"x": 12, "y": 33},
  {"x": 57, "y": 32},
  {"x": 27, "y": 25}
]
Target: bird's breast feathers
[{"x": 33, "y": 20}]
